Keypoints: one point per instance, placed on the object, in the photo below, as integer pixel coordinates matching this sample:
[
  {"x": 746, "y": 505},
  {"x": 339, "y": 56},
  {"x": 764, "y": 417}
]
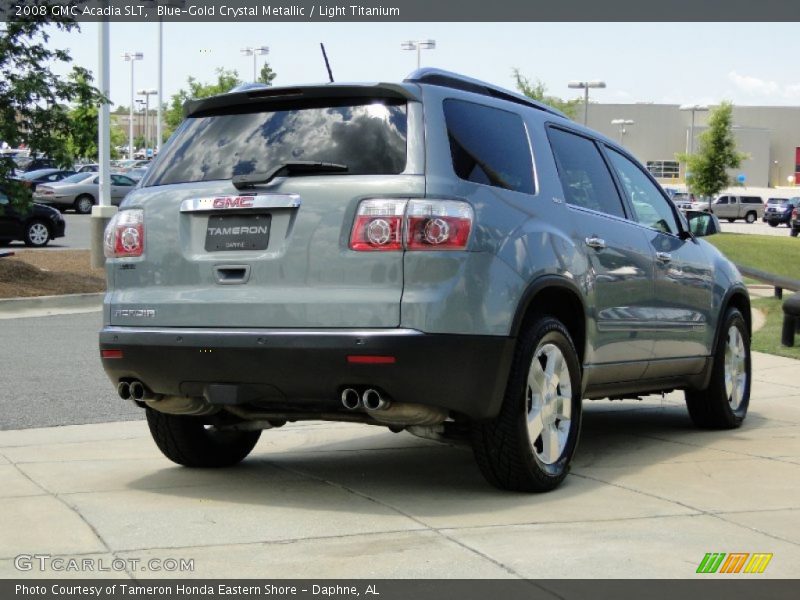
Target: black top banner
[{"x": 401, "y": 10}]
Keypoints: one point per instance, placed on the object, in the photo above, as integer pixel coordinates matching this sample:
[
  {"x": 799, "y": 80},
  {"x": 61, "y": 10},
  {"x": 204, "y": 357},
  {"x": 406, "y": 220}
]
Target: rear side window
[
  {"x": 752, "y": 200},
  {"x": 369, "y": 138},
  {"x": 489, "y": 146},
  {"x": 584, "y": 176}
]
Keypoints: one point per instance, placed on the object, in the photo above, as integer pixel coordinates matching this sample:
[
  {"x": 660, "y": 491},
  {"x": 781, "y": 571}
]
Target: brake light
[
  {"x": 378, "y": 225},
  {"x": 438, "y": 224},
  {"x": 425, "y": 224},
  {"x": 124, "y": 235},
  {"x": 795, "y": 214}
]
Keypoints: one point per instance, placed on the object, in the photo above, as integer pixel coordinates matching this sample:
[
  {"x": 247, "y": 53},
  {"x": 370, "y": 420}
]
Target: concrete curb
[{"x": 42, "y": 305}]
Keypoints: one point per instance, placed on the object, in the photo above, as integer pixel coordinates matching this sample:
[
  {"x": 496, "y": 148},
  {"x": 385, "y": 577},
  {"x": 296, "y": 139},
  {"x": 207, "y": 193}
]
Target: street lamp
[
  {"x": 147, "y": 93},
  {"x": 622, "y": 131},
  {"x": 585, "y": 85},
  {"x": 131, "y": 57},
  {"x": 694, "y": 108},
  {"x": 254, "y": 52},
  {"x": 418, "y": 45}
]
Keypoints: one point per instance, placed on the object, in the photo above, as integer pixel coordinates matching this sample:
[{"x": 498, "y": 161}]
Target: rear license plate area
[{"x": 237, "y": 232}]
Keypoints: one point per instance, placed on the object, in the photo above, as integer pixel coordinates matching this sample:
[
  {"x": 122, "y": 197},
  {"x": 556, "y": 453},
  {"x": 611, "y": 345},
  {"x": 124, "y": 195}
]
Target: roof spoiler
[{"x": 259, "y": 95}]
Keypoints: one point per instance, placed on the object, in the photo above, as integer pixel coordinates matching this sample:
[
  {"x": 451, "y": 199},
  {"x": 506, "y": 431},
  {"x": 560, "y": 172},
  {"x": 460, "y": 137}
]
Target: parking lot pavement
[
  {"x": 758, "y": 227},
  {"x": 648, "y": 496}
]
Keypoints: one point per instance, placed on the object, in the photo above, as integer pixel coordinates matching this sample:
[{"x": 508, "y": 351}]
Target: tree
[
  {"x": 266, "y": 74},
  {"x": 707, "y": 169},
  {"x": 34, "y": 101},
  {"x": 83, "y": 123},
  {"x": 173, "y": 116},
  {"x": 536, "y": 90}
]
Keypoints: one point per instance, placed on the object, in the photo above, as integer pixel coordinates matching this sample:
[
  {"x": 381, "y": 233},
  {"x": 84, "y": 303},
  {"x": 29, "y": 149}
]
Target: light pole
[
  {"x": 777, "y": 172},
  {"x": 622, "y": 131},
  {"x": 254, "y": 52},
  {"x": 147, "y": 93},
  {"x": 585, "y": 86},
  {"x": 131, "y": 57},
  {"x": 693, "y": 108},
  {"x": 419, "y": 45}
]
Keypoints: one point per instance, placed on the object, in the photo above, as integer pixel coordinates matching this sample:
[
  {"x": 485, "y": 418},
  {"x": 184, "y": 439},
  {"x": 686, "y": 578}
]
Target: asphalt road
[{"x": 51, "y": 374}]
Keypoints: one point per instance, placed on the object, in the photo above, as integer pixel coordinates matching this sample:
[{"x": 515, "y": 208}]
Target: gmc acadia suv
[{"x": 436, "y": 256}]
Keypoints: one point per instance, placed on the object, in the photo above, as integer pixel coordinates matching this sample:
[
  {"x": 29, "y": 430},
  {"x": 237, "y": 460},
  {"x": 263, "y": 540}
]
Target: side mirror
[{"x": 702, "y": 224}]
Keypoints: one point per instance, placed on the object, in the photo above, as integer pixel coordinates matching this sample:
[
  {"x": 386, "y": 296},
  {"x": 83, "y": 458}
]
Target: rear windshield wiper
[{"x": 291, "y": 167}]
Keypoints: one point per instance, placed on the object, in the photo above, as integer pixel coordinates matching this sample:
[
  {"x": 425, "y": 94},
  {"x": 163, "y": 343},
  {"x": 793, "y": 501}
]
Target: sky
[{"x": 674, "y": 63}]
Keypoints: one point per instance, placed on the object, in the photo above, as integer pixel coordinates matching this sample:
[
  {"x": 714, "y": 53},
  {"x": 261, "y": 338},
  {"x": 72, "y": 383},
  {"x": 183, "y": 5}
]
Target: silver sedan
[{"x": 81, "y": 191}]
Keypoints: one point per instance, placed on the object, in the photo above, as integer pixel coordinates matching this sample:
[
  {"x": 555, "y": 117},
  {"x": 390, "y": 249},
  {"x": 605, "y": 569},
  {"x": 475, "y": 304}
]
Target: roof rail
[{"x": 449, "y": 79}]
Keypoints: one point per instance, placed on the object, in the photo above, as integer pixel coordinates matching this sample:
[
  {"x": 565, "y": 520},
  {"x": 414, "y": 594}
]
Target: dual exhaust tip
[
  {"x": 133, "y": 390},
  {"x": 370, "y": 399}
]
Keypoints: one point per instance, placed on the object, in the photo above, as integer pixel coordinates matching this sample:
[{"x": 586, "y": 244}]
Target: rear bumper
[{"x": 305, "y": 370}]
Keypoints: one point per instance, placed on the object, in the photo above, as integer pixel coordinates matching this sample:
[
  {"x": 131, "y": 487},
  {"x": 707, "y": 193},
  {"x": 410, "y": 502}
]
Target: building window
[{"x": 664, "y": 169}]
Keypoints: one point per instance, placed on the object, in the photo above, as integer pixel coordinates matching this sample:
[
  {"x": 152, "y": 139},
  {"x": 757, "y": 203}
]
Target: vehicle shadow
[{"x": 430, "y": 479}]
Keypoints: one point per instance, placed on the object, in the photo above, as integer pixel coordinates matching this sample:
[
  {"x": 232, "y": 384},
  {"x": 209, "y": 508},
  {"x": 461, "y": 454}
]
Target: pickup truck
[{"x": 749, "y": 208}]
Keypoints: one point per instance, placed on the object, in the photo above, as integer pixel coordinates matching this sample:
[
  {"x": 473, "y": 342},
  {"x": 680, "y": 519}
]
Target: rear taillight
[
  {"x": 389, "y": 224},
  {"x": 795, "y": 214},
  {"x": 378, "y": 225},
  {"x": 124, "y": 234}
]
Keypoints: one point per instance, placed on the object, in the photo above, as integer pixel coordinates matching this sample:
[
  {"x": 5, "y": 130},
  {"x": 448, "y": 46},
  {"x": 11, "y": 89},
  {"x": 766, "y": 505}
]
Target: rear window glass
[
  {"x": 369, "y": 138},
  {"x": 489, "y": 146}
]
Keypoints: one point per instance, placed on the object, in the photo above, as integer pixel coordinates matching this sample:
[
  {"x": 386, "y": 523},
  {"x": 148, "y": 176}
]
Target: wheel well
[
  {"x": 740, "y": 301},
  {"x": 565, "y": 305}
]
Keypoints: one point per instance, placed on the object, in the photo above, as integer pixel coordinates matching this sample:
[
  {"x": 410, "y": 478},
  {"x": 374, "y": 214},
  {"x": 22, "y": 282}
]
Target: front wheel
[
  {"x": 723, "y": 404},
  {"x": 750, "y": 217},
  {"x": 529, "y": 445},
  {"x": 36, "y": 234},
  {"x": 773, "y": 223},
  {"x": 188, "y": 441}
]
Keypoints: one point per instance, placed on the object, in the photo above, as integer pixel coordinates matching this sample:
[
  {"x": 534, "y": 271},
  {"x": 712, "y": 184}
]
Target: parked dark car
[
  {"x": 26, "y": 165},
  {"x": 36, "y": 227},
  {"x": 794, "y": 220},
  {"x": 32, "y": 179},
  {"x": 779, "y": 211}
]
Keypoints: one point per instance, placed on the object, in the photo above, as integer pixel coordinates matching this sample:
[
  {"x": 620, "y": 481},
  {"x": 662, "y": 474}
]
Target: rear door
[
  {"x": 275, "y": 255},
  {"x": 620, "y": 289}
]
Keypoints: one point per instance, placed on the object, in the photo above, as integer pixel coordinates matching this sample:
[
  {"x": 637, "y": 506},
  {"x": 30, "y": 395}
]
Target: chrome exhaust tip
[
  {"x": 124, "y": 390},
  {"x": 137, "y": 390},
  {"x": 350, "y": 399},
  {"x": 373, "y": 400}
]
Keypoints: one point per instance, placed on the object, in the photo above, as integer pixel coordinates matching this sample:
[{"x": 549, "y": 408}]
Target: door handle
[
  {"x": 596, "y": 243},
  {"x": 664, "y": 256}
]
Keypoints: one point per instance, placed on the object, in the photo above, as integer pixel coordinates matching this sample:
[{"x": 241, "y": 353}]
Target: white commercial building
[{"x": 768, "y": 135}]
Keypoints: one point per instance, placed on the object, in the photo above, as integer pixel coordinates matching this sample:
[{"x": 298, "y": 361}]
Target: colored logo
[{"x": 735, "y": 562}]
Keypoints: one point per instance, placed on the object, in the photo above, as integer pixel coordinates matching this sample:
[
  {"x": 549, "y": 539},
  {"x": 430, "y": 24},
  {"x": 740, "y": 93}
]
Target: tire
[
  {"x": 187, "y": 441},
  {"x": 731, "y": 220},
  {"x": 750, "y": 217},
  {"x": 718, "y": 406},
  {"x": 772, "y": 223},
  {"x": 83, "y": 204},
  {"x": 793, "y": 232},
  {"x": 507, "y": 456},
  {"x": 37, "y": 234}
]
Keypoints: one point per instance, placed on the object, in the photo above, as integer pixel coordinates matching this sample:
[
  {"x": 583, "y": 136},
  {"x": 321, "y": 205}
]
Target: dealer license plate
[{"x": 237, "y": 232}]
